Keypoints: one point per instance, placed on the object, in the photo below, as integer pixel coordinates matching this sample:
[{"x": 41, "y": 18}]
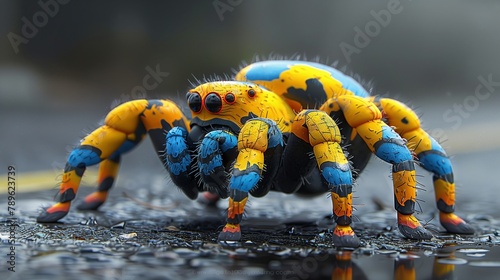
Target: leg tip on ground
[
  {"x": 94, "y": 205},
  {"x": 462, "y": 228},
  {"x": 351, "y": 241},
  {"x": 454, "y": 224},
  {"x": 229, "y": 236},
  {"x": 53, "y": 217},
  {"x": 418, "y": 233},
  {"x": 344, "y": 236}
]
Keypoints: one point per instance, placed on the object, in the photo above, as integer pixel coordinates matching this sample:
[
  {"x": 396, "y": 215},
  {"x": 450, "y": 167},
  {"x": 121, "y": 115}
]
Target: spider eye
[
  {"x": 251, "y": 92},
  {"x": 187, "y": 95},
  {"x": 230, "y": 98},
  {"x": 194, "y": 102},
  {"x": 213, "y": 102}
]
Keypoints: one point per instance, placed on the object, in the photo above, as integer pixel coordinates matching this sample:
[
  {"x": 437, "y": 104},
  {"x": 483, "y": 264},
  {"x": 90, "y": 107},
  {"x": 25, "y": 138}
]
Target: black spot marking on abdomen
[{"x": 312, "y": 97}]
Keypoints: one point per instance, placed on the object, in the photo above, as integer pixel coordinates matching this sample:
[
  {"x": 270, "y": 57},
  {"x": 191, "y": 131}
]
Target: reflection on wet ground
[{"x": 169, "y": 237}]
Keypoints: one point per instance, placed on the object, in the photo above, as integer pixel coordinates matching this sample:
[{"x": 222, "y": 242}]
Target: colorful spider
[{"x": 282, "y": 125}]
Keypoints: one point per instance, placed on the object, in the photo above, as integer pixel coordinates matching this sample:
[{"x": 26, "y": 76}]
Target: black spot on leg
[
  {"x": 250, "y": 168},
  {"x": 79, "y": 170},
  {"x": 238, "y": 195},
  {"x": 408, "y": 165},
  {"x": 177, "y": 123},
  {"x": 139, "y": 132},
  {"x": 106, "y": 184},
  {"x": 442, "y": 206},
  {"x": 68, "y": 195},
  {"x": 446, "y": 177},
  {"x": 152, "y": 103},
  {"x": 404, "y": 120},
  {"x": 165, "y": 125}
]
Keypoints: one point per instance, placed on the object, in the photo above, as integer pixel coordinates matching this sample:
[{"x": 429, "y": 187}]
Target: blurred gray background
[
  {"x": 64, "y": 63},
  {"x": 98, "y": 50}
]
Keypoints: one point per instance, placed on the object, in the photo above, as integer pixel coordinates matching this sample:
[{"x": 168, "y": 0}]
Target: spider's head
[{"x": 225, "y": 104}]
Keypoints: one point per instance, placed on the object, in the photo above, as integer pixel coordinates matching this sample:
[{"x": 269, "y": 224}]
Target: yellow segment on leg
[
  {"x": 358, "y": 110},
  {"x": 107, "y": 168},
  {"x": 321, "y": 128},
  {"x": 329, "y": 152},
  {"x": 418, "y": 140},
  {"x": 70, "y": 180},
  {"x": 399, "y": 116},
  {"x": 342, "y": 206},
  {"x": 153, "y": 116},
  {"x": 371, "y": 132},
  {"x": 125, "y": 117},
  {"x": 106, "y": 139},
  {"x": 248, "y": 157},
  {"x": 253, "y": 135},
  {"x": 445, "y": 191},
  {"x": 404, "y": 186},
  {"x": 236, "y": 207}
]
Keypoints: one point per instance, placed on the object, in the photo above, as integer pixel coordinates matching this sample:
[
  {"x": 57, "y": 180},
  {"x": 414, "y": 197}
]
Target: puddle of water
[{"x": 486, "y": 264}]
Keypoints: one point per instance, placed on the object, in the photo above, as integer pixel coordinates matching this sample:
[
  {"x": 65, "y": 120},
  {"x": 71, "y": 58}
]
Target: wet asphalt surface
[
  {"x": 149, "y": 230},
  {"x": 145, "y": 234}
]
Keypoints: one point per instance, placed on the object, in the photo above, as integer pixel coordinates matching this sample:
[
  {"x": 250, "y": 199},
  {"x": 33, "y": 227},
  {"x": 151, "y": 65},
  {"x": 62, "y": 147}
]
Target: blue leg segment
[
  {"x": 178, "y": 161},
  {"x": 217, "y": 148},
  {"x": 391, "y": 148},
  {"x": 245, "y": 180},
  {"x": 177, "y": 154},
  {"x": 436, "y": 161},
  {"x": 83, "y": 156},
  {"x": 336, "y": 174}
]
